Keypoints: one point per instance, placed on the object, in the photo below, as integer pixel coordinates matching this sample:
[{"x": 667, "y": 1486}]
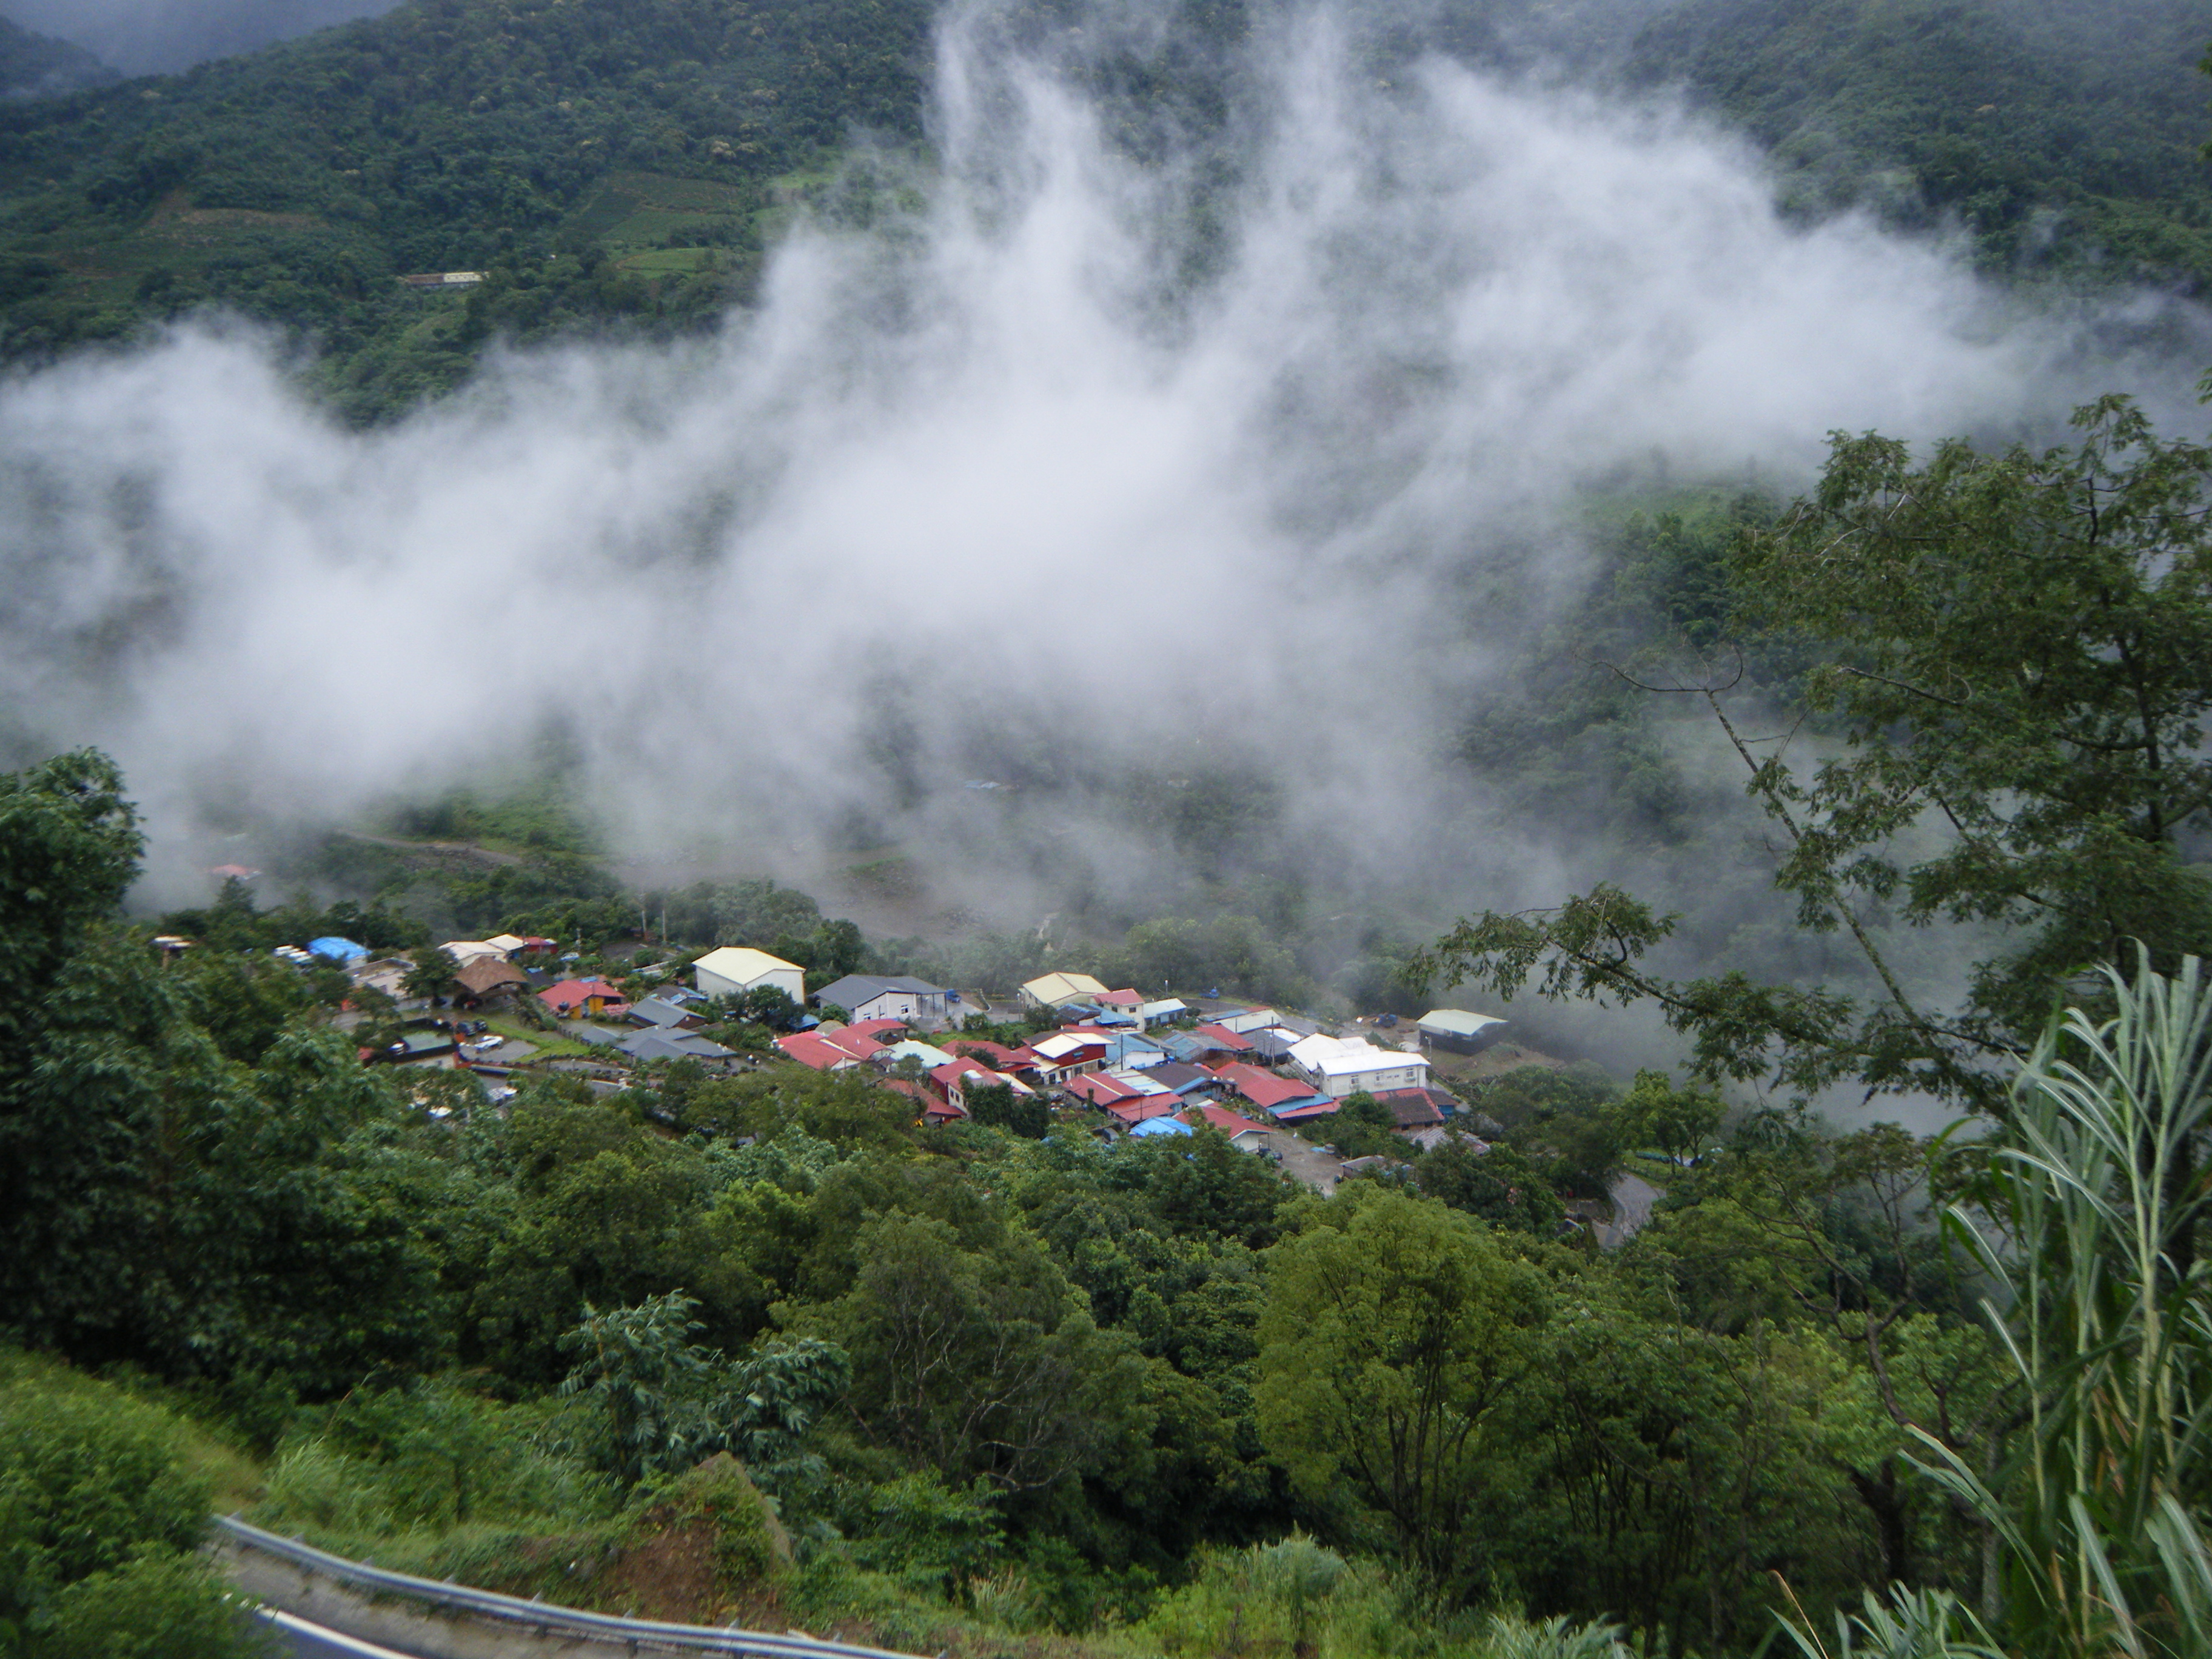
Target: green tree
[
  {"x": 998, "y": 1106},
  {"x": 1671, "y": 1467},
  {"x": 1394, "y": 1330},
  {"x": 670, "y": 1401},
  {"x": 770, "y": 1006},
  {"x": 434, "y": 972},
  {"x": 979, "y": 1359},
  {"x": 1499, "y": 1186},
  {"x": 1362, "y": 1127},
  {"x": 164, "y": 1202},
  {"x": 1202, "y": 1185},
  {"x": 2014, "y": 652},
  {"x": 1678, "y": 1122}
]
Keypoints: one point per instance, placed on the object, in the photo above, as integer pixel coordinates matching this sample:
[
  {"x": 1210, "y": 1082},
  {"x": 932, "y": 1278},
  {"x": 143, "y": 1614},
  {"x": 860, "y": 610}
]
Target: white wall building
[
  {"x": 1338, "y": 1067},
  {"x": 736, "y": 969}
]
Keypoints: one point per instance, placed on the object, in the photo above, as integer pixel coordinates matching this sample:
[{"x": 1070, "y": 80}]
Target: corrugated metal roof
[{"x": 1457, "y": 1022}]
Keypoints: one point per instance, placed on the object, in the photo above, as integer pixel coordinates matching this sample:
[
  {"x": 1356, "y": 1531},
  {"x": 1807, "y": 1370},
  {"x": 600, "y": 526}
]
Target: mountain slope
[
  {"x": 299, "y": 183},
  {"x": 34, "y": 66},
  {"x": 619, "y": 163},
  {"x": 2065, "y": 136}
]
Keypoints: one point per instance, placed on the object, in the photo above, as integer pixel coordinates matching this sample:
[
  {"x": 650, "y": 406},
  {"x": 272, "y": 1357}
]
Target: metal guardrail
[{"x": 540, "y": 1617}]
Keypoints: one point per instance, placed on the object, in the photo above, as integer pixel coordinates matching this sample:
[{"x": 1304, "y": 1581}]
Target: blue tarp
[
  {"x": 337, "y": 950},
  {"x": 1162, "y": 1126}
]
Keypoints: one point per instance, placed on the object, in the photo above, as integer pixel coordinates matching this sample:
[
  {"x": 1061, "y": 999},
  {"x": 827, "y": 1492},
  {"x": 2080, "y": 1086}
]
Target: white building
[
  {"x": 735, "y": 970},
  {"x": 466, "y": 951},
  {"x": 1338, "y": 1067}
]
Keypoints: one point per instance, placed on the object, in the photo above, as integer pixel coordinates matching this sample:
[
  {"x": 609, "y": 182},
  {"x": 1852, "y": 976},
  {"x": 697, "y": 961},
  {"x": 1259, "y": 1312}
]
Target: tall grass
[{"x": 2088, "y": 1227}]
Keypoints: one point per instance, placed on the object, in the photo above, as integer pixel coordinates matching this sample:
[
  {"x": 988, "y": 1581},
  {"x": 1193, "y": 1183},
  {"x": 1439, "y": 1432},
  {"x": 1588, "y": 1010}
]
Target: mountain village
[{"x": 1116, "y": 1062}]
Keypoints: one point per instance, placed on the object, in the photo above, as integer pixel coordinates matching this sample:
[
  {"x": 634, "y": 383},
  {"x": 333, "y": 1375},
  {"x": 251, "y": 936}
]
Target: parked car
[{"x": 485, "y": 1044}]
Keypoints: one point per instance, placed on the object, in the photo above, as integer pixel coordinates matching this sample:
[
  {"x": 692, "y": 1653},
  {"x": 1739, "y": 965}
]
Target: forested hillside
[
  {"x": 2066, "y": 136},
  {"x": 621, "y": 163},
  {"x": 566, "y": 148}
]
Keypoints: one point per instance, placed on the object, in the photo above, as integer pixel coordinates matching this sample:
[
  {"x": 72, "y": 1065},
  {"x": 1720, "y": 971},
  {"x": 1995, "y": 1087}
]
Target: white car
[{"x": 486, "y": 1043}]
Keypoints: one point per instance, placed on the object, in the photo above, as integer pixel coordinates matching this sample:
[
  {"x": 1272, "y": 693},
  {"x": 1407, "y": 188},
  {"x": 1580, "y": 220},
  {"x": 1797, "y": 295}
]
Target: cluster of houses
[{"x": 1147, "y": 1066}]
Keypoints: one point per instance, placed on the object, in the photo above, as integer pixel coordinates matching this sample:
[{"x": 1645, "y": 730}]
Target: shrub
[
  {"x": 749, "y": 1543},
  {"x": 89, "y": 1479},
  {"x": 154, "y": 1607}
]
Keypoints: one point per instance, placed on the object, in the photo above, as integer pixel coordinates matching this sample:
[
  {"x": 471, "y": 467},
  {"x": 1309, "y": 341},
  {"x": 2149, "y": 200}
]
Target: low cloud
[{"x": 990, "y": 487}]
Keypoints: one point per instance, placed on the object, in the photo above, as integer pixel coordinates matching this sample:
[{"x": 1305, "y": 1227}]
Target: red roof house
[
  {"x": 1104, "y": 1089},
  {"x": 996, "y": 1055},
  {"x": 584, "y": 996},
  {"x": 1223, "y": 1119},
  {"x": 1262, "y": 1087},
  {"x": 953, "y": 1082},
  {"x": 829, "y": 1051},
  {"x": 928, "y": 1109}
]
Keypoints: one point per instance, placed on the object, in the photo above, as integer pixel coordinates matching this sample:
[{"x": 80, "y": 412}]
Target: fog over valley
[
  {"x": 1043, "y": 467},
  {"x": 1107, "y": 828}
]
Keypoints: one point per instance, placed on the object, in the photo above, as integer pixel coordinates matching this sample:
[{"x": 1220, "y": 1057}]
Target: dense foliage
[
  {"x": 103, "y": 1500},
  {"x": 948, "y": 1357}
]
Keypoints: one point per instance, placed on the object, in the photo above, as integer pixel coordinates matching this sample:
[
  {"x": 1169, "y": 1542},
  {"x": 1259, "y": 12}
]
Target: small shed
[{"x": 1457, "y": 1031}]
